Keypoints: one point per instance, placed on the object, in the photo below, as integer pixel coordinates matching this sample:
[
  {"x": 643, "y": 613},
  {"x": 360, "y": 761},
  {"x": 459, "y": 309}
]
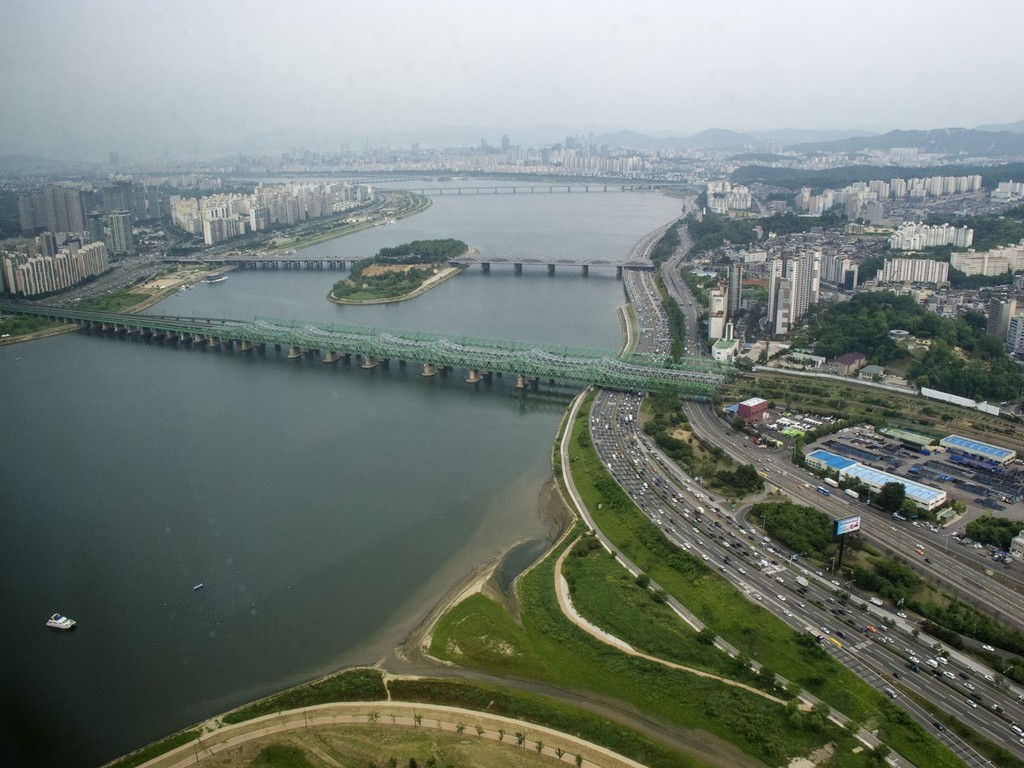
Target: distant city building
[
  {"x": 724, "y": 197},
  {"x": 222, "y": 216},
  {"x": 716, "y": 313},
  {"x": 122, "y": 242},
  {"x": 734, "y": 297},
  {"x": 794, "y": 285},
  {"x": 998, "y": 261},
  {"x": 29, "y": 276},
  {"x": 1008, "y": 190},
  {"x": 839, "y": 270},
  {"x": 999, "y": 312},
  {"x": 63, "y": 209},
  {"x": 915, "y": 236},
  {"x": 914, "y": 271},
  {"x": 1015, "y": 336}
]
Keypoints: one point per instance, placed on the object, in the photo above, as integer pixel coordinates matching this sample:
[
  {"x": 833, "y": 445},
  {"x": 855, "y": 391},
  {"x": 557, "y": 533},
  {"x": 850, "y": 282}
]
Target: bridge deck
[{"x": 694, "y": 377}]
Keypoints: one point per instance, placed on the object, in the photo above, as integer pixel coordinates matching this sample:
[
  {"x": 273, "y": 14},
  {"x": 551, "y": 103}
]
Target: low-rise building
[
  {"x": 753, "y": 409},
  {"x": 849, "y": 363},
  {"x": 975, "y": 449},
  {"x": 924, "y": 496}
]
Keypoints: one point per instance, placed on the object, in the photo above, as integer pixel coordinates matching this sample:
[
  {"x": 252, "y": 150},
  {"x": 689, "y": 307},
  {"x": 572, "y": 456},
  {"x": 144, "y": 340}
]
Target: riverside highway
[{"x": 766, "y": 573}]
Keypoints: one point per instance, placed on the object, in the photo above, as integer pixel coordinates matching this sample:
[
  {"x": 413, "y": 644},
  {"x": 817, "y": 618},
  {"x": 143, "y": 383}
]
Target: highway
[{"x": 888, "y": 655}]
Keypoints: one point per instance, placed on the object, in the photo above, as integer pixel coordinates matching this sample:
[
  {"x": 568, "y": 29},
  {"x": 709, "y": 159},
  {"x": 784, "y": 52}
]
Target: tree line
[{"x": 862, "y": 324}]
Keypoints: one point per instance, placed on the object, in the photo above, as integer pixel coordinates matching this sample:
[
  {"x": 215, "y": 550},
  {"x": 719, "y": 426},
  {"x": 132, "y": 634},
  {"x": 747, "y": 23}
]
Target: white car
[
  {"x": 782, "y": 598},
  {"x": 988, "y": 648},
  {"x": 901, "y": 614}
]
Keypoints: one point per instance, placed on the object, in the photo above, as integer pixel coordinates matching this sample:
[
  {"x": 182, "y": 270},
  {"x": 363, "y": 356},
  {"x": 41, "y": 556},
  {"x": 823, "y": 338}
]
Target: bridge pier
[
  {"x": 618, "y": 273},
  {"x": 429, "y": 369},
  {"x": 517, "y": 269},
  {"x": 294, "y": 353},
  {"x": 585, "y": 270},
  {"x": 184, "y": 338},
  {"x": 245, "y": 346},
  {"x": 474, "y": 376},
  {"x": 198, "y": 338},
  {"x": 212, "y": 341},
  {"x": 485, "y": 266},
  {"x": 330, "y": 357},
  {"x": 369, "y": 361},
  {"x": 551, "y": 269},
  {"x": 520, "y": 381}
]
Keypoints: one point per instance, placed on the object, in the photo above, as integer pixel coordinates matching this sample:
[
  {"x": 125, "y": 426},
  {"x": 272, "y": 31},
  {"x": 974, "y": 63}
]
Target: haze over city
[{"x": 85, "y": 78}]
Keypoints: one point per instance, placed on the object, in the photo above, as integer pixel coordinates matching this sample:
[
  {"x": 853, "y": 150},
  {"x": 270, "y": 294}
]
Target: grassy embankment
[{"x": 548, "y": 647}]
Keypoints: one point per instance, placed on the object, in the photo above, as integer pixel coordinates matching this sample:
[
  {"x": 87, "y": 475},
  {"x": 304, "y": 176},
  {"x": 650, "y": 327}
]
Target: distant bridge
[
  {"x": 294, "y": 261},
  {"x": 694, "y": 377},
  {"x": 530, "y": 189}
]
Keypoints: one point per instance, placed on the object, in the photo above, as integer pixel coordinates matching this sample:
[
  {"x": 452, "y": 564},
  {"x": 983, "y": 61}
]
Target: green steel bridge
[{"x": 694, "y": 377}]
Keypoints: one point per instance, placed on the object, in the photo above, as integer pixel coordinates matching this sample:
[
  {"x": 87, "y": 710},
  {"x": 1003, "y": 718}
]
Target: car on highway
[
  {"x": 969, "y": 686},
  {"x": 988, "y": 648}
]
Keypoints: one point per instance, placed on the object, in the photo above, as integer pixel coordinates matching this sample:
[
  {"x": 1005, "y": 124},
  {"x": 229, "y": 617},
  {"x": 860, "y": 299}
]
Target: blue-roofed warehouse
[
  {"x": 976, "y": 449},
  {"x": 924, "y": 496},
  {"x": 826, "y": 460}
]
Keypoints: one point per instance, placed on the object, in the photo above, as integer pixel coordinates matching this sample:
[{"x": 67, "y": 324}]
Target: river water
[{"x": 323, "y": 508}]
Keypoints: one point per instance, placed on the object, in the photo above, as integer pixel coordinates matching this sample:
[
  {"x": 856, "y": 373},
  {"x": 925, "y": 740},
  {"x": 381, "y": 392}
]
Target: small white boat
[
  {"x": 60, "y": 622},
  {"x": 198, "y": 586}
]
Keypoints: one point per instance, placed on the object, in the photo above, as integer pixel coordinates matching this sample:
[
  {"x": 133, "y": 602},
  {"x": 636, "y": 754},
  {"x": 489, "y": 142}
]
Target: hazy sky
[{"x": 110, "y": 72}]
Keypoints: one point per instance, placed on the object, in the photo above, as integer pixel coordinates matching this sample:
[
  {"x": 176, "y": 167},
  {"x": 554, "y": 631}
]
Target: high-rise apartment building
[
  {"x": 914, "y": 271},
  {"x": 793, "y": 286},
  {"x": 122, "y": 242},
  {"x": 1000, "y": 310},
  {"x": 1015, "y": 336},
  {"x": 734, "y": 297},
  {"x": 63, "y": 209}
]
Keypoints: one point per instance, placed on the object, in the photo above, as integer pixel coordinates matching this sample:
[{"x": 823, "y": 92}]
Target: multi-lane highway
[{"x": 879, "y": 644}]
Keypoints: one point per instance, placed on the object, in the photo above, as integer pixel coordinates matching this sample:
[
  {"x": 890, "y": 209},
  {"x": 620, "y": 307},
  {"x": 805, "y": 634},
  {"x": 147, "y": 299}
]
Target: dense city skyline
[{"x": 190, "y": 77}]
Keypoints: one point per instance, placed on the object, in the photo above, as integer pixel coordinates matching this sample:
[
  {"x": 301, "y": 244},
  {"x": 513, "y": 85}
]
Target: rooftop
[
  {"x": 831, "y": 460},
  {"x": 922, "y": 494},
  {"x": 975, "y": 446}
]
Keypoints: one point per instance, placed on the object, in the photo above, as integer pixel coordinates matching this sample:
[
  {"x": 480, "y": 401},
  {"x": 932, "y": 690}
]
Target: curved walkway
[
  {"x": 565, "y": 603},
  {"x": 390, "y": 714}
]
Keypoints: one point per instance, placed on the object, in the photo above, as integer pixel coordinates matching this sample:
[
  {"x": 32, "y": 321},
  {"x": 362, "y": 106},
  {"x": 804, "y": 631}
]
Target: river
[{"x": 324, "y": 508}]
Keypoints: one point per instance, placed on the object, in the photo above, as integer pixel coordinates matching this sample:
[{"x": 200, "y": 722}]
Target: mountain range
[{"x": 993, "y": 140}]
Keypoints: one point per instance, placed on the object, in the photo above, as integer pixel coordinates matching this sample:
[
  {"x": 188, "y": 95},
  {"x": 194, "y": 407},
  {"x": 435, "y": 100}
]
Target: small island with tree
[{"x": 399, "y": 273}]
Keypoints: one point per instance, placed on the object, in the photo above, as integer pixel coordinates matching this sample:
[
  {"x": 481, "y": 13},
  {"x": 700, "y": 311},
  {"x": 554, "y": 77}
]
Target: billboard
[{"x": 847, "y": 525}]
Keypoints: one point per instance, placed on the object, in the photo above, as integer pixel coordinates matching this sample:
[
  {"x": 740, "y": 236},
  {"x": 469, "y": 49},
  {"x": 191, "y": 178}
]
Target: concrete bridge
[
  {"x": 695, "y": 378},
  {"x": 550, "y": 263},
  {"x": 531, "y": 189},
  {"x": 290, "y": 262}
]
